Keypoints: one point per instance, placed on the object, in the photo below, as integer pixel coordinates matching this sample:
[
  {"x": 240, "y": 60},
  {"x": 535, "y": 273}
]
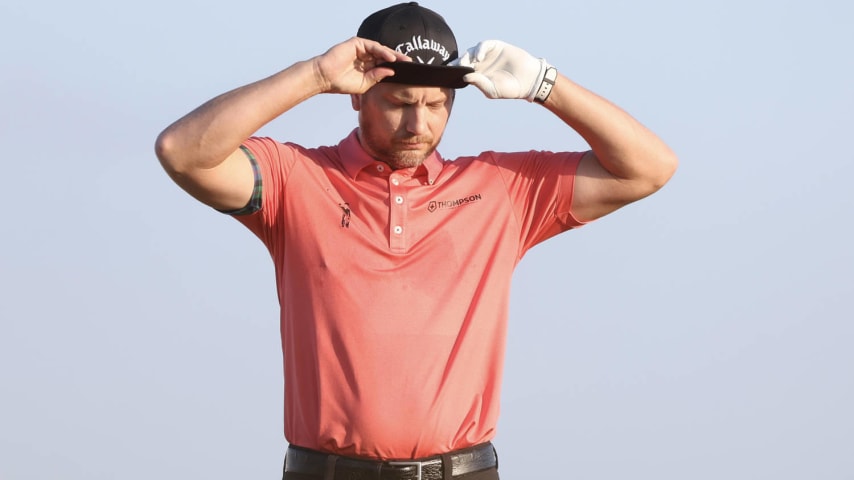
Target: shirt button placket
[{"x": 397, "y": 214}]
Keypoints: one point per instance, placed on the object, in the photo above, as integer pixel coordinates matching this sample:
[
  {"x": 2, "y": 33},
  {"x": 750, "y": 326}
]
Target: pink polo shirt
[{"x": 394, "y": 288}]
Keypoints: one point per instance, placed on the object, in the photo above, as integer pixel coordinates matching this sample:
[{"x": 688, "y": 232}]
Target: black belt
[{"x": 329, "y": 467}]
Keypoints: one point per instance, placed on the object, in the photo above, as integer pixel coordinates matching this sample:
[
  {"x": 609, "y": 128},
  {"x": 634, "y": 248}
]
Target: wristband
[{"x": 546, "y": 86}]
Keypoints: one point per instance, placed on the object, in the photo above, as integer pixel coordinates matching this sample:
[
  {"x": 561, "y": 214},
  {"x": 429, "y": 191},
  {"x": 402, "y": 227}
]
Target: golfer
[{"x": 393, "y": 264}]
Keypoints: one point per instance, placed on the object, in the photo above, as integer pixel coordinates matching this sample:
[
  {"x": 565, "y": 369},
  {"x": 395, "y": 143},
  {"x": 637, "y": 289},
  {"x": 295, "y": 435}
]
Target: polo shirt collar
[{"x": 354, "y": 159}]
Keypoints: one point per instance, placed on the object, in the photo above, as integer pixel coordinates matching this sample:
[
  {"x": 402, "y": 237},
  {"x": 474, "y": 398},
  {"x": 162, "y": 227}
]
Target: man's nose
[{"x": 416, "y": 120}]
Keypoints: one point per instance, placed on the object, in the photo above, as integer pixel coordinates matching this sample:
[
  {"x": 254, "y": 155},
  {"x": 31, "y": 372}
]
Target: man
[{"x": 393, "y": 265}]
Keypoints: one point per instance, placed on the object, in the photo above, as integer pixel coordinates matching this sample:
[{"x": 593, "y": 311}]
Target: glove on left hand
[{"x": 502, "y": 70}]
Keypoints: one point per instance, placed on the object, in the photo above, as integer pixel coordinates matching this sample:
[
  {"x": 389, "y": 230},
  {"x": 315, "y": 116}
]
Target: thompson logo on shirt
[{"x": 435, "y": 205}]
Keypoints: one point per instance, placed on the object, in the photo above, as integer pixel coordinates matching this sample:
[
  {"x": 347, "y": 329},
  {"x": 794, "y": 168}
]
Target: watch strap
[{"x": 547, "y": 84}]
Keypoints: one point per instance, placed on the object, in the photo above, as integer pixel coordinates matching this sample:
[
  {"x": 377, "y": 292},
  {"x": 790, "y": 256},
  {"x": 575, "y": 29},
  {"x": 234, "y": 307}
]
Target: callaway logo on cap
[{"x": 423, "y": 36}]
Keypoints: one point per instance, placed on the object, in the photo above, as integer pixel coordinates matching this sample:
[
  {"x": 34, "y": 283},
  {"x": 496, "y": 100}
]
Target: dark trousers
[
  {"x": 344, "y": 474},
  {"x": 490, "y": 474}
]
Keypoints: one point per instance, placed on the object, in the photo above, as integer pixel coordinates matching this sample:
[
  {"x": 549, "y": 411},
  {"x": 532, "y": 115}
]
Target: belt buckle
[{"x": 418, "y": 467}]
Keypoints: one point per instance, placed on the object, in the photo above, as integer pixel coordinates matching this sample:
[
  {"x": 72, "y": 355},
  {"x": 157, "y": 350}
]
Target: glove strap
[{"x": 546, "y": 86}]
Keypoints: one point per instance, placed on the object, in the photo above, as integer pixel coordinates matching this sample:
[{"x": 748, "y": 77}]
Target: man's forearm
[{"x": 207, "y": 135}]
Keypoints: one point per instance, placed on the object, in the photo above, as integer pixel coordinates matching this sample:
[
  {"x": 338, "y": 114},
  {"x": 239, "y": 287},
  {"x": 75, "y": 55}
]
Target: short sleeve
[
  {"x": 272, "y": 162},
  {"x": 540, "y": 185},
  {"x": 254, "y": 203}
]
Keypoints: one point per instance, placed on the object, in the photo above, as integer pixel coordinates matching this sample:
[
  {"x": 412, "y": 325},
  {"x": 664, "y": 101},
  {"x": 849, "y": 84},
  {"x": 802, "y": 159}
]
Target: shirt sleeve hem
[{"x": 254, "y": 203}]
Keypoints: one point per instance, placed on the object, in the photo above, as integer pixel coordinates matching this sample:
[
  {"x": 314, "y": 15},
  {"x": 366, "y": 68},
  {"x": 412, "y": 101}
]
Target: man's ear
[{"x": 356, "y": 101}]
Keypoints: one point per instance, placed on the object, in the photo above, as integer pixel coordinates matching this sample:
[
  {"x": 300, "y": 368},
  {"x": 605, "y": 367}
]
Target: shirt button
[
  {"x": 395, "y": 181},
  {"x": 380, "y": 168},
  {"x": 398, "y": 199},
  {"x": 398, "y": 230}
]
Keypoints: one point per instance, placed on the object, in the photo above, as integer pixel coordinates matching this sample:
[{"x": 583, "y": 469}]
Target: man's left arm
[{"x": 627, "y": 161}]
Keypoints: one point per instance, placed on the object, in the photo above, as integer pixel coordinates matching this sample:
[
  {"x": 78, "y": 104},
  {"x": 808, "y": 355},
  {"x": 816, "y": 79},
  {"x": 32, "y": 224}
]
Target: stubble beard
[
  {"x": 394, "y": 155},
  {"x": 406, "y": 159}
]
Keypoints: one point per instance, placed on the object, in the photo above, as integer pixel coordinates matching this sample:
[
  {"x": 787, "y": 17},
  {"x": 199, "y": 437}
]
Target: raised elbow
[
  {"x": 183, "y": 154},
  {"x": 667, "y": 164},
  {"x": 168, "y": 153}
]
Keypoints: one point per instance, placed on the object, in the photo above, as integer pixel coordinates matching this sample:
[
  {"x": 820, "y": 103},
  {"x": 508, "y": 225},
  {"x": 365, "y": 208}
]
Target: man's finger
[{"x": 384, "y": 53}]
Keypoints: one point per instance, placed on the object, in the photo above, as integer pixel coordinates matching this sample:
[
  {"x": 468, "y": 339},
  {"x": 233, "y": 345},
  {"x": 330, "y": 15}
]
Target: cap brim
[{"x": 413, "y": 73}]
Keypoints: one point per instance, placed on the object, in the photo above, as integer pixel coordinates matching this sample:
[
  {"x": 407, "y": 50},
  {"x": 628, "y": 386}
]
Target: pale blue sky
[{"x": 703, "y": 333}]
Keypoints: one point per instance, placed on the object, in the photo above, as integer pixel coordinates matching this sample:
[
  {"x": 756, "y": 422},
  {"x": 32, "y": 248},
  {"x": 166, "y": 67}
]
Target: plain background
[{"x": 703, "y": 333}]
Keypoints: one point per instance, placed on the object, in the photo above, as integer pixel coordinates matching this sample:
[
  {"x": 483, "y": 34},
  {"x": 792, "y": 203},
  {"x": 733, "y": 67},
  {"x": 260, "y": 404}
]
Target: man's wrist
[{"x": 546, "y": 86}]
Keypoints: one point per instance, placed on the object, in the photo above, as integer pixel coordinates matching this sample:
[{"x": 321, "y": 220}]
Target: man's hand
[
  {"x": 353, "y": 66},
  {"x": 503, "y": 71}
]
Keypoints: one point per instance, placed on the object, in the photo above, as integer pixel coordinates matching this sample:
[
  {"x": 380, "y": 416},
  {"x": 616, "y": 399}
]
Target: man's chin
[{"x": 408, "y": 159}]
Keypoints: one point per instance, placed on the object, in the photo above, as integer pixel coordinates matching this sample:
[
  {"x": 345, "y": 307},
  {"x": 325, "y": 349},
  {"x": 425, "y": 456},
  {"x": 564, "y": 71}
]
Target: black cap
[{"x": 421, "y": 34}]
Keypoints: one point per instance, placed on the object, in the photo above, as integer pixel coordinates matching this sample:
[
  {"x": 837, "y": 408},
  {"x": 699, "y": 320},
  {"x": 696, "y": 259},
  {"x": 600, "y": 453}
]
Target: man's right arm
[{"x": 201, "y": 151}]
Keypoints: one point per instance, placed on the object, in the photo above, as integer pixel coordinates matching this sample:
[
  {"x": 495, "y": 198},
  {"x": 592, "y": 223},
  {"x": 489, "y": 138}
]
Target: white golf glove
[{"x": 502, "y": 70}]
